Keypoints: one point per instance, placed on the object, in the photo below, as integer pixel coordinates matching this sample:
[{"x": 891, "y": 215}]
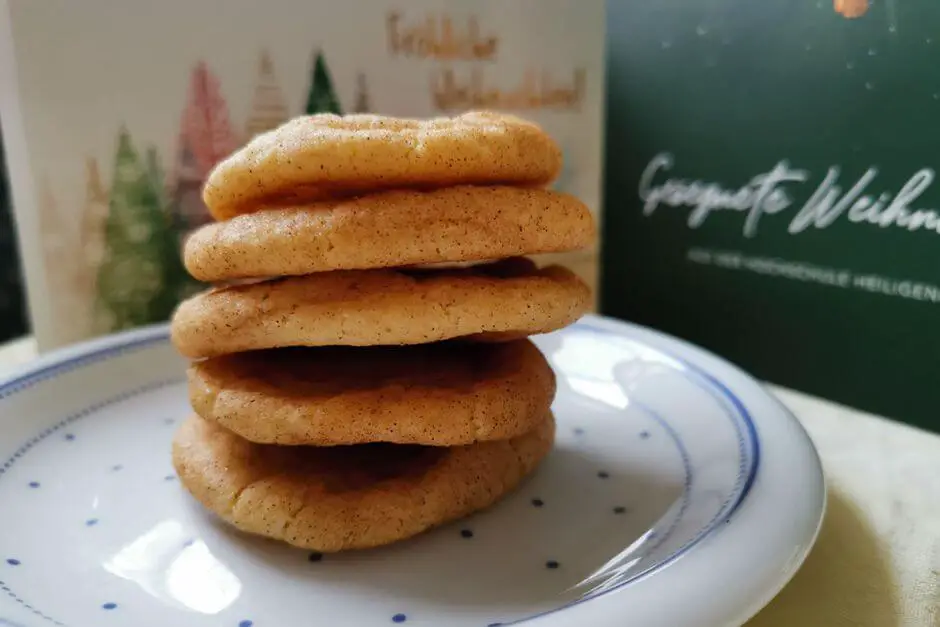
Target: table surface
[{"x": 877, "y": 560}]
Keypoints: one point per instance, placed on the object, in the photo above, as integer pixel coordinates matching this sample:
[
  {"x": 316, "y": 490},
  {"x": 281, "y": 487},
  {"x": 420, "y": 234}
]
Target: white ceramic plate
[{"x": 679, "y": 494}]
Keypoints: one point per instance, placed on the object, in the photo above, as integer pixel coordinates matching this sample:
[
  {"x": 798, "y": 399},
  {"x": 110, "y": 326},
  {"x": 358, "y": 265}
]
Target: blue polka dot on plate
[
  {"x": 245, "y": 623},
  {"x": 109, "y": 606},
  {"x": 399, "y": 618},
  {"x": 13, "y": 562},
  {"x": 34, "y": 484}
]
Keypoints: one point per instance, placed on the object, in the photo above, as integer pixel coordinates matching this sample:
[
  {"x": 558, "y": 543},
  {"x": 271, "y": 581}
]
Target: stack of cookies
[{"x": 361, "y": 371}]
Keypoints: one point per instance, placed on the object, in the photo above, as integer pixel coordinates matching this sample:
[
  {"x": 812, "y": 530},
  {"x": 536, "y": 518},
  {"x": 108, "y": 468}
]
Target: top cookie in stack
[{"x": 378, "y": 292}]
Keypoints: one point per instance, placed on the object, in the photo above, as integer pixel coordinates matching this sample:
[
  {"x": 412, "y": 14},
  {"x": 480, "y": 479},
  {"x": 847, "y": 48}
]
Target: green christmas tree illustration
[
  {"x": 135, "y": 284},
  {"x": 321, "y": 98},
  {"x": 155, "y": 173},
  {"x": 176, "y": 280}
]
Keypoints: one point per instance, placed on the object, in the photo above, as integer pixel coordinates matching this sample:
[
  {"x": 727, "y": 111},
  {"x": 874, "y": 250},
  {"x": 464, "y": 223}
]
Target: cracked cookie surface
[
  {"x": 389, "y": 229},
  {"x": 441, "y": 394},
  {"x": 498, "y": 301},
  {"x": 325, "y": 155},
  {"x": 338, "y": 498}
]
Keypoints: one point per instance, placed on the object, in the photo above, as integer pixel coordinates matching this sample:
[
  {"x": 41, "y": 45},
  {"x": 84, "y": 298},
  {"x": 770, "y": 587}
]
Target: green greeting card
[{"x": 771, "y": 189}]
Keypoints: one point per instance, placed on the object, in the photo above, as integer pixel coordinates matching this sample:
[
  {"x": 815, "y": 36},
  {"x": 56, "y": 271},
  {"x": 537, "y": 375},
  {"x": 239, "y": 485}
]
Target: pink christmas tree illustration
[
  {"x": 206, "y": 136},
  {"x": 205, "y": 122}
]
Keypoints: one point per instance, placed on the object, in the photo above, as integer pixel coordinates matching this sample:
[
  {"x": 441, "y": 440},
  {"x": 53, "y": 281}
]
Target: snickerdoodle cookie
[
  {"x": 323, "y": 155},
  {"x": 441, "y": 394},
  {"x": 349, "y": 497},
  {"x": 505, "y": 299},
  {"x": 389, "y": 229}
]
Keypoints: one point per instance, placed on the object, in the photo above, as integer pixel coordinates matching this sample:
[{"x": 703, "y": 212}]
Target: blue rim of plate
[
  {"x": 149, "y": 336},
  {"x": 746, "y": 476}
]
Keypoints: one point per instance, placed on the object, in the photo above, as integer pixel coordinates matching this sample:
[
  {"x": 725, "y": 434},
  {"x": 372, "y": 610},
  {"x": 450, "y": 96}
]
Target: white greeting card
[{"x": 114, "y": 113}]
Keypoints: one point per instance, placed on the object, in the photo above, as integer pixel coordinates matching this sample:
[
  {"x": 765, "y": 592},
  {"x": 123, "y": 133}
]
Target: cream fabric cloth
[{"x": 877, "y": 560}]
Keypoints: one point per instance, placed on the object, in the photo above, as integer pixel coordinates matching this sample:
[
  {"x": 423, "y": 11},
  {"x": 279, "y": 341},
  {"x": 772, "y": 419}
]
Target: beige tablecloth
[{"x": 877, "y": 560}]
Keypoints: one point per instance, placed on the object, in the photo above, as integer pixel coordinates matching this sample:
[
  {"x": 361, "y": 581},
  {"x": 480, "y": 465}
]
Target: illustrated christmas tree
[
  {"x": 91, "y": 228},
  {"x": 175, "y": 278},
  {"x": 188, "y": 209},
  {"x": 321, "y": 98},
  {"x": 157, "y": 177},
  {"x": 268, "y": 107},
  {"x": 131, "y": 283},
  {"x": 63, "y": 274},
  {"x": 206, "y": 137},
  {"x": 206, "y": 121},
  {"x": 363, "y": 102},
  {"x": 54, "y": 246}
]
